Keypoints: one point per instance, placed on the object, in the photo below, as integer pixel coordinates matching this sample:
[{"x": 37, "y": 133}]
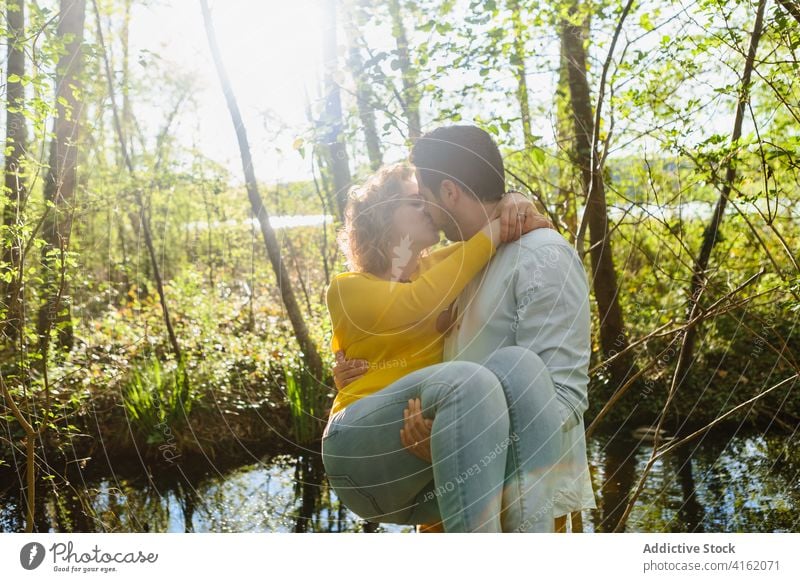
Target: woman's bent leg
[
  {"x": 535, "y": 436},
  {"x": 380, "y": 480}
]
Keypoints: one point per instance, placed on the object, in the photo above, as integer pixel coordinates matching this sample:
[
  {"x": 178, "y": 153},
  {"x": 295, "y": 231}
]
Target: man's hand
[
  {"x": 348, "y": 371},
  {"x": 518, "y": 216},
  {"x": 416, "y": 432}
]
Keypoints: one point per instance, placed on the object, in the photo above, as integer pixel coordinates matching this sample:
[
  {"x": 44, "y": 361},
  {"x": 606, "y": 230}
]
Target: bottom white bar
[{"x": 388, "y": 557}]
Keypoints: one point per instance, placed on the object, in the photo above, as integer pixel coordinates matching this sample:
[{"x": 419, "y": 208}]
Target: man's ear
[{"x": 449, "y": 193}]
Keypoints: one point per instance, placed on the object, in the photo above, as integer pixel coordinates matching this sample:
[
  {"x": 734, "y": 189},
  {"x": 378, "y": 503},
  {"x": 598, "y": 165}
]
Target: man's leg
[
  {"x": 534, "y": 439},
  {"x": 380, "y": 480}
]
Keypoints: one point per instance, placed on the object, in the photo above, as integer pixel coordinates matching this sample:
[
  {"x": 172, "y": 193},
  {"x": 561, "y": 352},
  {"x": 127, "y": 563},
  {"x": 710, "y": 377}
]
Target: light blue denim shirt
[{"x": 534, "y": 294}]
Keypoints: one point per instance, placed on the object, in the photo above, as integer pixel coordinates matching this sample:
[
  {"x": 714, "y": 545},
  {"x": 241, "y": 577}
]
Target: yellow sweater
[{"x": 392, "y": 325}]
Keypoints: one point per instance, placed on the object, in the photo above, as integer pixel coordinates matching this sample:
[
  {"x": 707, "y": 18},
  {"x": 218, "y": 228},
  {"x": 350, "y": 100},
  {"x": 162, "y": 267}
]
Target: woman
[{"x": 392, "y": 311}]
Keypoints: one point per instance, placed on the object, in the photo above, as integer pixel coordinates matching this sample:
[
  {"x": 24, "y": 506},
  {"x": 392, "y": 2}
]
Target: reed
[
  {"x": 307, "y": 399},
  {"x": 157, "y": 399}
]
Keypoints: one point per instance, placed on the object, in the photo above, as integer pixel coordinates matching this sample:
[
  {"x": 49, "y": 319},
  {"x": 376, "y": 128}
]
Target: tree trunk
[
  {"x": 792, "y": 7},
  {"x": 144, "y": 219},
  {"x": 567, "y": 201},
  {"x": 698, "y": 283},
  {"x": 613, "y": 338},
  {"x": 518, "y": 64},
  {"x": 711, "y": 233},
  {"x": 127, "y": 114},
  {"x": 15, "y": 190},
  {"x": 310, "y": 353},
  {"x": 332, "y": 121},
  {"x": 59, "y": 184},
  {"x": 366, "y": 112},
  {"x": 411, "y": 95}
]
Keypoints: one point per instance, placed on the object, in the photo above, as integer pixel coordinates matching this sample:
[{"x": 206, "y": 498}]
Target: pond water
[
  {"x": 277, "y": 222},
  {"x": 740, "y": 483},
  {"x": 686, "y": 210}
]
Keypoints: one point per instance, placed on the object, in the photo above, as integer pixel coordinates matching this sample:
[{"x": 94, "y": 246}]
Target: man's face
[{"x": 442, "y": 219}]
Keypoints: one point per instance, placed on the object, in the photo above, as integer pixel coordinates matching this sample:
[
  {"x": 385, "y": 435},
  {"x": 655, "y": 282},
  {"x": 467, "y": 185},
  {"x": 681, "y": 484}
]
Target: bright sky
[{"x": 271, "y": 50}]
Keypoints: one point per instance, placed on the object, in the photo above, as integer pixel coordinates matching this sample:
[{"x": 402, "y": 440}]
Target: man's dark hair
[{"x": 463, "y": 153}]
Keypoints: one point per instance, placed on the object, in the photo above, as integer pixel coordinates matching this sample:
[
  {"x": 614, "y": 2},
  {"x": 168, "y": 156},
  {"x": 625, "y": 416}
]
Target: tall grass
[
  {"x": 307, "y": 402},
  {"x": 157, "y": 399}
]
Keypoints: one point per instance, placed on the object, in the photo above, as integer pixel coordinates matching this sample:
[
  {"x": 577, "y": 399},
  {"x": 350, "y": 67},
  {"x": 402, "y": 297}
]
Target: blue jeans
[{"x": 495, "y": 437}]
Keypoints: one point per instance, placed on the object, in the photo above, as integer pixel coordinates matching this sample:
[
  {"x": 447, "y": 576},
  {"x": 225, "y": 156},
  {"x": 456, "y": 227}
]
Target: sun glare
[{"x": 272, "y": 52}]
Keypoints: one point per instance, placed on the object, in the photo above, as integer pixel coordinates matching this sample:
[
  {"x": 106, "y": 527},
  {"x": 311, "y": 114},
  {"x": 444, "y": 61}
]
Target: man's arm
[
  {"x": 552, "y": 319},
  {"x": 347, "y": 371}
]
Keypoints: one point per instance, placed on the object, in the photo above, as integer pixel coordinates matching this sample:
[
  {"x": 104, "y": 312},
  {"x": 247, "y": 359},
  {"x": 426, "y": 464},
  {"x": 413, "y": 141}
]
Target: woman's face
[{"x": 411, "y": 223}]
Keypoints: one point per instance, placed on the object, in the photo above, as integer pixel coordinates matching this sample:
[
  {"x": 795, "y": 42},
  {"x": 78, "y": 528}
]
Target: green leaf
[{"x": 538, "y": 155}]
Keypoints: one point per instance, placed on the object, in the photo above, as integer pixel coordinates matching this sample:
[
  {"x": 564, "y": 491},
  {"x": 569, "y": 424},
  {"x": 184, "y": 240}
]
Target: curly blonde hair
[{"x": 364, "y": 239}]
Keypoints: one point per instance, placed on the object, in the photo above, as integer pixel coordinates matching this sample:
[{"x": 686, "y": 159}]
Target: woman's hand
[
  {"x": 348, "y": 371},
  {"x": 416, "y": 432},
  {"x": 518, "y": 216}
]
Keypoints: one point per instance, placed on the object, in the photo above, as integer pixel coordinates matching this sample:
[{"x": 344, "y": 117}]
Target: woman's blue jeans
[{"x": 495, "y": 438}]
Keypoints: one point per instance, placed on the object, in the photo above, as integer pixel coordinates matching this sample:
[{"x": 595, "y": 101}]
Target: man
[{"x": 525, "y": 318}]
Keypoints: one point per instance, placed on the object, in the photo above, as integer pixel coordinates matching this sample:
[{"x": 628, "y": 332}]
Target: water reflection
[
  {"x": 736, "y": 484},
  {"x": 690, "y": 513},
  {"x": 283, "y": 494},
  {"x": 744, "y": 483},
  {"x": 614, "y": 477}
]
